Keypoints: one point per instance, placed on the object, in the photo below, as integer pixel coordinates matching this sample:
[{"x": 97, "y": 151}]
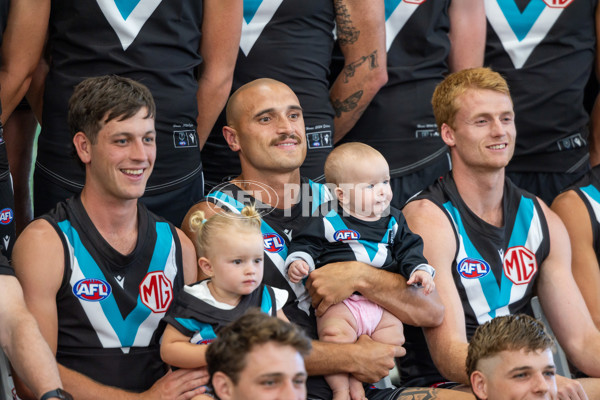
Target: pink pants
[{"x": 366, "y": 313}]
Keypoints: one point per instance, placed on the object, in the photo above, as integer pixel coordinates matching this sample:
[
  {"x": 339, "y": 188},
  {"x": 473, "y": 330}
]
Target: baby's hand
[
  {"x": 424, "y": 279},
  {"x": 298, "y": 270}
]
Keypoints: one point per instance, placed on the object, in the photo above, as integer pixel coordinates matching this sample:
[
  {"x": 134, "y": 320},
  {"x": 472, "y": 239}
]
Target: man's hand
[
  {"x": 569, "y": 389},
  {"x": 331, "y": 284},
  {"x": 373, "y": 360},
  {"x": 182, "y": 384}
]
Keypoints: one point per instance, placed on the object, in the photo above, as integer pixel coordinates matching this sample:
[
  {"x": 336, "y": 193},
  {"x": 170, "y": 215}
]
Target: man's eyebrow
[
  {"x": 272, "y": 375},
  {"x": 523, "y": 368},
  {"x": 270, "y": 110}
]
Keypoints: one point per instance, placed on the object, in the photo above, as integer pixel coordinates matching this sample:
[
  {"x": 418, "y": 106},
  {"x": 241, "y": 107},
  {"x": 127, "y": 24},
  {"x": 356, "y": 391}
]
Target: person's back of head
[
  {"x": 98, "y": 100},
  {"x": 233, "y": 356},
  {"x": 444, "y": 100},
  {"x": 510, "y": 356}
]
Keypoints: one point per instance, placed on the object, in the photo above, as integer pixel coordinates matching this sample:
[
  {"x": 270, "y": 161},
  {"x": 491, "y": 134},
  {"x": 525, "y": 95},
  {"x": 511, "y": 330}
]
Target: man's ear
[
  {"x": 222, "y": 385},
  {"x": 205, "y": 267},
  {"x": 83, "y": 147},
  {"x": 231, "y": 138},
  {"x": 447, "y": 134},
  {"x": 479, "y": 385}
]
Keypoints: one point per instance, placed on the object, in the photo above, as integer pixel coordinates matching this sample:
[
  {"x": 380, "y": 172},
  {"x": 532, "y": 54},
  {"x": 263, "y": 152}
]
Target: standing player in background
[
  {"x": 579, "y": 209},
  {"x": 424, "y": 41},
  {"x": 545, "y": 50},
  {"x": 182, "y": 50},
  {"x": 293, "y": 45}
]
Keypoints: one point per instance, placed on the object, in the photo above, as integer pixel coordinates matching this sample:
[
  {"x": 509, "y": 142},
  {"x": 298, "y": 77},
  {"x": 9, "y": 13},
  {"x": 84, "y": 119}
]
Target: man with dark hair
[
  {"x": 258, "y": 357},
  {"x": 100, "y": 270},
  {"x": 510, "y": 358},
  {"x": 184, "y": 51}
]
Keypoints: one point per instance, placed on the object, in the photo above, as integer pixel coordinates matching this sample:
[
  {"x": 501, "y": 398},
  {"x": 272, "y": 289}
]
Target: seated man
[
  {"x": 265, "y": 127},
  {"x": 510, "y": 357},
  {"x": 258, "y": 357},
  {"x": 22, "y": 341},
  {"x": 100, "y": 270},
  {"x": 493, "y": 245},
  {"x": 579, "y": 209}
]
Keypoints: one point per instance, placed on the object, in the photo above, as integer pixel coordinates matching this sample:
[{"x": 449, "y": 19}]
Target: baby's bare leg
[
  {"x": 389, "y": 330},
  {"x": 339, "y": 326}
]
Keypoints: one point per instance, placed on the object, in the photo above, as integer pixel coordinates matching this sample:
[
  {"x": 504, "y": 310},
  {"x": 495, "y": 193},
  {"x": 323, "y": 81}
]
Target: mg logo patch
[
  {"x": 520, "y": 265},
  {"x": 156, "y": 292},
  {"x": 558, "y": 3}
]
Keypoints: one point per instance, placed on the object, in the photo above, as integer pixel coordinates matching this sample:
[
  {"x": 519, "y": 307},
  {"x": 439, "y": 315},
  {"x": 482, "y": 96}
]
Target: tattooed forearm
[
  {"x": 346, "y": 32},
  {"x": 350, "y": 69},
  {"x": 347, "y": 105},
  {"x": 418, "y": 394}
]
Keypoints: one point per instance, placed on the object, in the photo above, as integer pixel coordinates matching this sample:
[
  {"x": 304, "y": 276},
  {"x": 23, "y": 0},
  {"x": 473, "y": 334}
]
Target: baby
[
  {"x": 359, "y": 226},
  {"x": 231, "y": 255}
]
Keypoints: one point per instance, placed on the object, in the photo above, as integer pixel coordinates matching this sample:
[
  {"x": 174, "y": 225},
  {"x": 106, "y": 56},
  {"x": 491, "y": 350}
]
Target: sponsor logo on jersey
[
  {"x": 558, "y": 3},
  {"x": 273, "y": 242},
  {"x": 92, "y": 289},
  {"x": 345, "y": 234},
  {"x": 156, "y": 291},
  {"x": 6, "y": 216},
  {"x": 520, "y": 265},
  {"x": 472, "y": 268}
]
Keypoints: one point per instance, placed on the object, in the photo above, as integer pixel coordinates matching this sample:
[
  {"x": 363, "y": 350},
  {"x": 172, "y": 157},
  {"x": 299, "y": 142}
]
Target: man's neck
[
  {"x": 277, "y": 190},
  {"x": 115, "y": 219},
  {"x": 482, "y": 192}
]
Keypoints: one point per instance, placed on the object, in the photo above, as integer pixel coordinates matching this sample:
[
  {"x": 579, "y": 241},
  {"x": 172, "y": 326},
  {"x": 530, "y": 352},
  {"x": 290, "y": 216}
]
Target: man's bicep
[{"x": 38, "y": 259}]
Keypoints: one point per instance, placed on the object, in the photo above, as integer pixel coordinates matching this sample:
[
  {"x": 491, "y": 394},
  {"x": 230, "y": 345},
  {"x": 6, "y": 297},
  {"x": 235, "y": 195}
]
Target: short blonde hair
[
  {"x": 343, "y": 157},
  {"x": 205, "y": 230},
  {"x": 445, "y": 95}
]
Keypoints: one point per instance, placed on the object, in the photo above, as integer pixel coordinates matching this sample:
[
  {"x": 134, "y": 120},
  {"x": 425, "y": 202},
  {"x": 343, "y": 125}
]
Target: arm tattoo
[
  {"x": 350, "y": 69},
  {"x": 347, "y": 105},
  {"x": 346, "y": 32},
  {"x": 419, "y": 394}
]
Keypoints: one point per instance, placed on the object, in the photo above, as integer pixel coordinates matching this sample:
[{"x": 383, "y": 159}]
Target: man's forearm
[
  {"x": 30, "y": 355},
  {"x": 407, "y": 303}
]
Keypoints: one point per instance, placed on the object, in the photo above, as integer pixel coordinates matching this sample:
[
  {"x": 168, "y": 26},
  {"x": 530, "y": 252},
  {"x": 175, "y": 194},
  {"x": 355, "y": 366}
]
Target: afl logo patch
[
  {"x": 472, "y": 268},
  {"x": 345, "y": 234},
  {"x": 273, "y": 242},
  {"x": 6, "y": 216},
  {"x": 92, "y": 289}
]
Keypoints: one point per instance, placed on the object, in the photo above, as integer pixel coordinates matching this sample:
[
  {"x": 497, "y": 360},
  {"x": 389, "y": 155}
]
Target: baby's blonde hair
[{"x": 205, "y": 230}]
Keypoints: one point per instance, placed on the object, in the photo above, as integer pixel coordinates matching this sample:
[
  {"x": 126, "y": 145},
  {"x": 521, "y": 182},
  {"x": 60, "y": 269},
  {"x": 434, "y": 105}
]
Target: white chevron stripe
[
  {"x": 128, "y": 29},
  {"x": 251, "y": 31},
  {"x": 106, "y": 334},
  {"x": 595, "y": 206},
  {"x": 535, "y": 236},
  {"x": 396, "y": 21},
  {"x": 519, "y": 51}
]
